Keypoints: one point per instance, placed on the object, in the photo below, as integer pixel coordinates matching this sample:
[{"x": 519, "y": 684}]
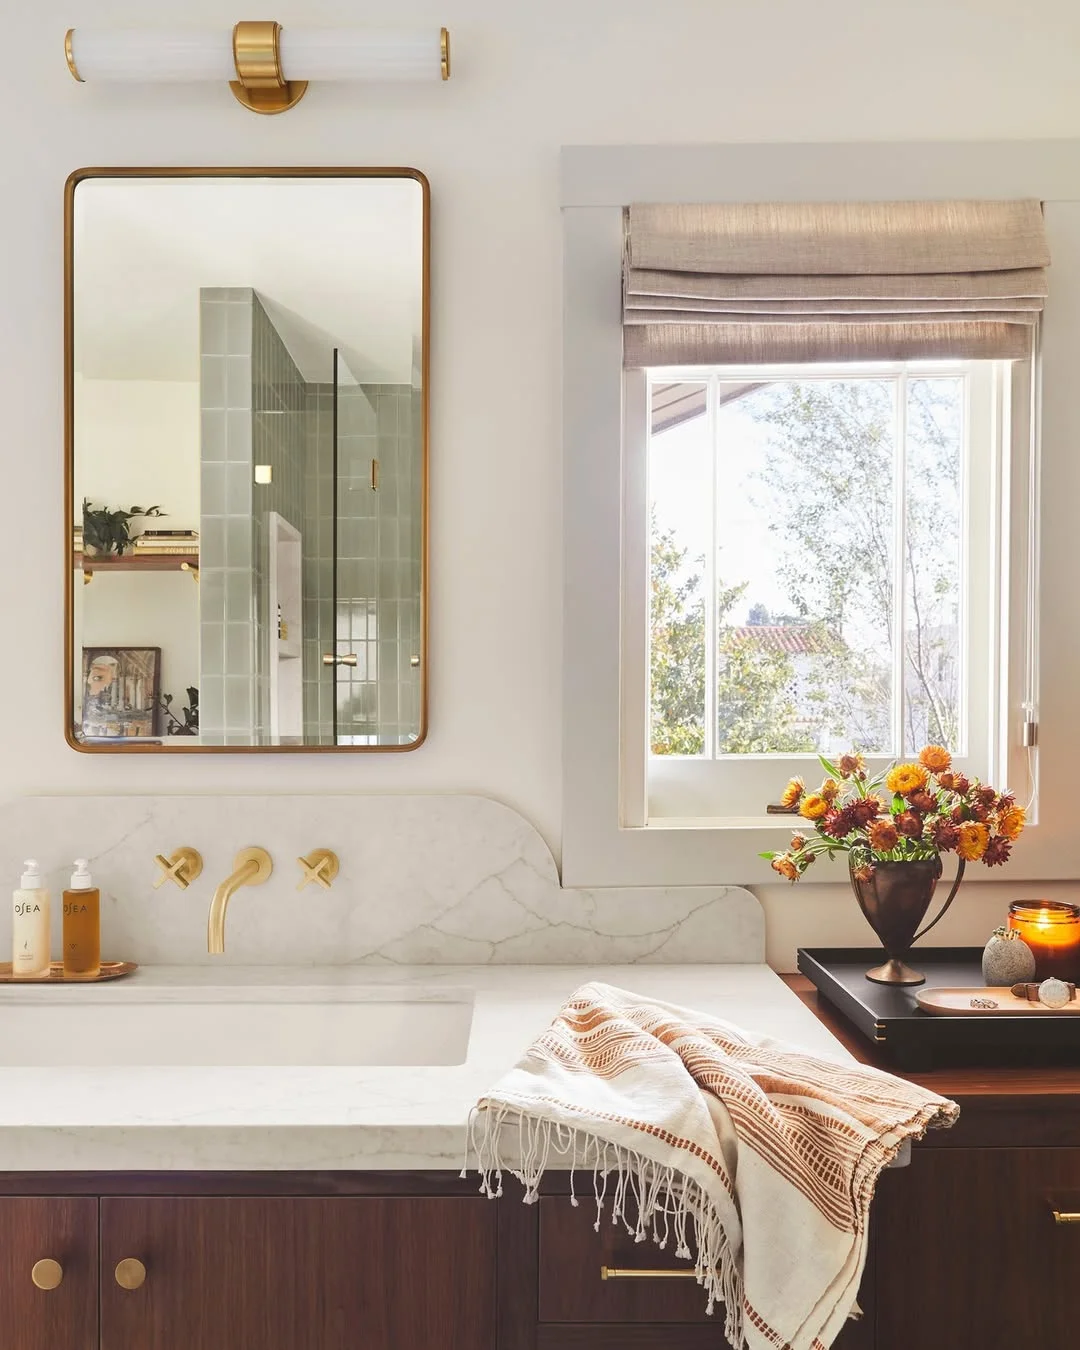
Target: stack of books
[{"x": 167, "y": 541}]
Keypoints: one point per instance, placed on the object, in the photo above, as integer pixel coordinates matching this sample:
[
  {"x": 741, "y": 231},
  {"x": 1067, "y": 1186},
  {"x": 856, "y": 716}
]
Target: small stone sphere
[
  {"x": 1007, "y": 961},
  {"x": 1054, "y": 993}
]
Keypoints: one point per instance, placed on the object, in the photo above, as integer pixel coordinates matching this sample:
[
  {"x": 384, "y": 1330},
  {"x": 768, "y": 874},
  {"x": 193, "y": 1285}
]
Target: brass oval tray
[
  {"x": 110, "y": 970},
  {"x": 954, "y": 1002}
]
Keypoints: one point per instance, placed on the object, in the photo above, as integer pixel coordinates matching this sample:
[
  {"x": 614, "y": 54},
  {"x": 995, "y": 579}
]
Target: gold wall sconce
[
  {"x": 320, "y": 866},
  {"x": 266, "y": 67},
  {"x": 183, "y": 867}
]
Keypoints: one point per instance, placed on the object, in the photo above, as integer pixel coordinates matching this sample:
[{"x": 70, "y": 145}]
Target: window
[
  {"x": 826, "y": 551},
  {"x": 622, "y": 335}
]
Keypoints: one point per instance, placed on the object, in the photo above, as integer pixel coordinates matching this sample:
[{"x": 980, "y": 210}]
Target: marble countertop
[{"x": 301, "y": 1118}]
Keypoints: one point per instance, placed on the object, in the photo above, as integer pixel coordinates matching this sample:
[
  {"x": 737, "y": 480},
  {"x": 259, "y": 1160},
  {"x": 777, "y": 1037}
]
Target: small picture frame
[{"x": 121, "y": 694}]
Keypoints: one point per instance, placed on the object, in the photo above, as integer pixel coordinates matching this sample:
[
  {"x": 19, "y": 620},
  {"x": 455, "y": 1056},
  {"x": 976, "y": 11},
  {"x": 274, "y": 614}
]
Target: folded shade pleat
[{"x": 743, "y": 283}]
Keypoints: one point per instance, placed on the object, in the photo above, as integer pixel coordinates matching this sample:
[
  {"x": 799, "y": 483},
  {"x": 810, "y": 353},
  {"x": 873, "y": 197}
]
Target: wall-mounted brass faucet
[{"x": 251, "y": 868}]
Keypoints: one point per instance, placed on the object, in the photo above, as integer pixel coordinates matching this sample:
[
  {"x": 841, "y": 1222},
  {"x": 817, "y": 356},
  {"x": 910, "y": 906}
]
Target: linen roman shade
[{"x": 832, "y": 281}]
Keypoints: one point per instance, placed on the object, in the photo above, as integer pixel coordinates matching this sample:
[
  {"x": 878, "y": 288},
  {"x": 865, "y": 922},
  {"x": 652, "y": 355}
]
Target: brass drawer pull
[
  {"x": 640, "y": 1273},
  {"x": 47, "y": 1274},
  {"x": 329, "y": 659},
  {"x": 130, "y": 1273},
  {"x": 1065, "y": 1216}
]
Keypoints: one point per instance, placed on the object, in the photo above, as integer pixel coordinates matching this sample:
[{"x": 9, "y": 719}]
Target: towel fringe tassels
[{"x": 665, "y": 1204}]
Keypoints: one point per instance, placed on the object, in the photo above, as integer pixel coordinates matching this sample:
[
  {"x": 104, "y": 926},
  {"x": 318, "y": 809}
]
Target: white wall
[
  {"x": 525, "y": 81},
  {"x": 139, "y": 445}
]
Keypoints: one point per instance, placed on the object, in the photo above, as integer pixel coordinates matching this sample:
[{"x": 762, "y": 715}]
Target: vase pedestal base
[{"x": 895, "y": 972}]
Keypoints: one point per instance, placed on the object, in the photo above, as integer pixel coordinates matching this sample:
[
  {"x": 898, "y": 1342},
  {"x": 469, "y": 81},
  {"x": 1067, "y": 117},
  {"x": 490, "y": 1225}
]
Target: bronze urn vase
[{"x": 894, "y": 898}]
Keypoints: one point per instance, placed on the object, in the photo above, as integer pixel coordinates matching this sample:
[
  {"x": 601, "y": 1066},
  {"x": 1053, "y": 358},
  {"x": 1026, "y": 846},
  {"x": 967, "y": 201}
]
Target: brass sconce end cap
[
  {"x": 69, "y": 54},
  {"x": 444, "y": 52}
]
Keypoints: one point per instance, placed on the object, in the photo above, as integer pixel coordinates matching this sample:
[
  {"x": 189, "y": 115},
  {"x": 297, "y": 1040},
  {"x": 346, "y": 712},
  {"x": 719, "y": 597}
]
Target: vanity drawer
[
  {"x": 573, "y": 1257},
  {"x": 665, "y": 1311}
]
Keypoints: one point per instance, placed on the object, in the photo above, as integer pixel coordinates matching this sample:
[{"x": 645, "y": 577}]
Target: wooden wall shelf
[{"x": 137, "y": 562}]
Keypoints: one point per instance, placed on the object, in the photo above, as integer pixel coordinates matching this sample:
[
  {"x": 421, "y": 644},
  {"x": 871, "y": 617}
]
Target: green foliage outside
[{"x": 827, "y": 486}]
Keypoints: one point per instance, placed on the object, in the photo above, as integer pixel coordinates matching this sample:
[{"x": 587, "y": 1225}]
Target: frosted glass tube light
[{"x": 149, "y": 56}]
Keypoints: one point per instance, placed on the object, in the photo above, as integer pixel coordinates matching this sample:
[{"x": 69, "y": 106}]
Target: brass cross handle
[
  {"x": 321, "y": 866},
  {"x": 183, "y": 867}
]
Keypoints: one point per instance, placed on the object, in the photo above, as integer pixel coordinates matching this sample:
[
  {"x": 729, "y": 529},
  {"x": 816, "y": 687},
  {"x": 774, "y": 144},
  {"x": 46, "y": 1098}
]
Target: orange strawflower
[
  {"x": 883, "y": 835},
  {"x": 974, "y": 837},
  {"x": 814, "y": 806},
  {"x": 935, "y": 758},
  {"x": 1011, "y": 822},
  {"x": 850, "y": 765},
  {"x": 905, "y": 778},
  {"x": 785, "y": 867},
  {"x": 830, "y": 790},
  {"x": 792, "y": 794},
  {"x": 798, "y": 841}
]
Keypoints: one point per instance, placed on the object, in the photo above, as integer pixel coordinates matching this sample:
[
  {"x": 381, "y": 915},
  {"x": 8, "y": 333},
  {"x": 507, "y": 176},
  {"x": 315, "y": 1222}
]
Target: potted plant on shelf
[
  {"x": 108, "y": 532},
  {"x": 894, "y": 827}
]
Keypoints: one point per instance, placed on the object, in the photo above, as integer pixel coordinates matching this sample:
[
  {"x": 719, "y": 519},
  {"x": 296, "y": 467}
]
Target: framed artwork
[{"x": 121, "y": 693}]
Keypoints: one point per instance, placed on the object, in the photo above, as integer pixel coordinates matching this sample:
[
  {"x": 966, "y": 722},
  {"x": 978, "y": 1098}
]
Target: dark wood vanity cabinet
[
  {"x": 286, "y": 1273},
  {"x": 48, "y": 1273},
  {"x": 965, "y": 1251}
]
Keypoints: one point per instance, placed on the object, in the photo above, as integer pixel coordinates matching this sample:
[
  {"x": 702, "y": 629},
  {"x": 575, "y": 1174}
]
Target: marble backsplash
[{"x": 424, "y": 880}]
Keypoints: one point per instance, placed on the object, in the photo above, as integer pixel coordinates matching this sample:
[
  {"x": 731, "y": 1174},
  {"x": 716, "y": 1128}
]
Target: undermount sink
[{"x": 259, "y": 1027}]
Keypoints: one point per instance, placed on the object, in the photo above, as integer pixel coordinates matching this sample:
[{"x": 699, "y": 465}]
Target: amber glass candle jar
[{"x": 1051, "y": 929}]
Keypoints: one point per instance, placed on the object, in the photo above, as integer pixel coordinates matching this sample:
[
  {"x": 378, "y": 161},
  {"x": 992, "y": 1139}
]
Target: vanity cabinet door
[
  {"x": 969, "y": 1253},
  {"x": 41, "y": 1240},
  {"x": 296, "y": 1274}
]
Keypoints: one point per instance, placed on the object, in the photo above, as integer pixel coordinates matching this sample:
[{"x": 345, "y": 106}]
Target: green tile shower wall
[{"x": 258, "y": 409}]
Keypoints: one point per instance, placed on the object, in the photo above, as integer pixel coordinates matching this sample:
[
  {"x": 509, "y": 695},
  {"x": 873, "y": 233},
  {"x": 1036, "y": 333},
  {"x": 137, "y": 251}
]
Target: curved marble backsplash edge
[{"x": 449, "y": 879}]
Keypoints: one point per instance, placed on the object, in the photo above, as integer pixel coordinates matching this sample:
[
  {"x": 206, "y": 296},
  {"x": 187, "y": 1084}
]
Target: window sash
[{"x": 994, "y": 539}]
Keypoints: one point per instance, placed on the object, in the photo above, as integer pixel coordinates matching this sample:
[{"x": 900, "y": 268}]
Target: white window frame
[
  {"x": 601, "y": 844},
  {"x": 685, "y": 790}
]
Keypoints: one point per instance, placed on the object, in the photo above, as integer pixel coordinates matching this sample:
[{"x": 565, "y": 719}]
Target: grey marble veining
[{"x": 450, "y": 880}]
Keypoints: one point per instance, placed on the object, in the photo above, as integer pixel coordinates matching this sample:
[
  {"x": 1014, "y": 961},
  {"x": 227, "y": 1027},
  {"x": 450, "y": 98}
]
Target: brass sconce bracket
[
  {"x": 321, "y": 866},
  {"x": 259, "y": 83},
  {"x": 183, "y": 867}
]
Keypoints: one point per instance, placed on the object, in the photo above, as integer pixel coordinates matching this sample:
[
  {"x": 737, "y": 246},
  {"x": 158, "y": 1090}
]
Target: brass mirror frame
[{"x": 73, "y": 181}]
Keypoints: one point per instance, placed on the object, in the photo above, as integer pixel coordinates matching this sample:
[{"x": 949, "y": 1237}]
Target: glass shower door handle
[{"x": 329, "y": 659}]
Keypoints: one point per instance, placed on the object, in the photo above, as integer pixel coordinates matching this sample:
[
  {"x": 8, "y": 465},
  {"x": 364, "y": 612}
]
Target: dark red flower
[
  {"x": 947, "y": 780},
  {"x": 961, "y": 783},
  {"x": 997, "y": 851},
  {"x": 910, "y": 823},
  {"x": 985, "y": 796},
  {"x": 945, "y": 835},
  {"x": 979, "y": 810},
  {"x": 959, "y": 814},
  {"x": 839, "y": 824},
  {"x": 922, "y": 801},
  {"x": 1005, "y": 800},
  {"x": 865, "y": 809}
]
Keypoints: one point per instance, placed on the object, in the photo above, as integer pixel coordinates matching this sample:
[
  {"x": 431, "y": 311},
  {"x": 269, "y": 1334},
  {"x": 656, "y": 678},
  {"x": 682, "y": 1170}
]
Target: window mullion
[
  {"x": 899, "y": 561},
  {"x": 711, "y": 589}
]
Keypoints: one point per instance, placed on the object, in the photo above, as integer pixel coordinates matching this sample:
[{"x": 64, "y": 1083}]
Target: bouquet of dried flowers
[{"x": 908, "y": 812}]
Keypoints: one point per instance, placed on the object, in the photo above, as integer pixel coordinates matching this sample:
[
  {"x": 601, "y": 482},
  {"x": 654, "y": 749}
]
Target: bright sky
[{"x": 679, "y": 487}]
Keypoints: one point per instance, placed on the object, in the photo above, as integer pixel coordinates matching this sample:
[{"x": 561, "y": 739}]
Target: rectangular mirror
[{"x": 247, "y": 459}]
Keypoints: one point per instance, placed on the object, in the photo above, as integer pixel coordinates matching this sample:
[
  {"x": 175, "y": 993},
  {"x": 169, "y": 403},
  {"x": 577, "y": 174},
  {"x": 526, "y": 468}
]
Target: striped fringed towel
[{"x": 754, "y": 1158}]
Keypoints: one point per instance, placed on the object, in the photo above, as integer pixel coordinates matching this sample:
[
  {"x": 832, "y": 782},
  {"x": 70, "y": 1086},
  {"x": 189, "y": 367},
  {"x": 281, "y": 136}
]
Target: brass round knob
[
  {"x": 47, "y": 1274},
  {"x": 130, "y": 1273}
]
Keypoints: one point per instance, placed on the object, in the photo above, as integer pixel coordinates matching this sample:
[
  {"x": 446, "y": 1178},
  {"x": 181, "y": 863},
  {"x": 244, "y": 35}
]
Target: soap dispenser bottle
[
  {"x": 82, "y": 926},
  {"x": 30, "y": 928}
]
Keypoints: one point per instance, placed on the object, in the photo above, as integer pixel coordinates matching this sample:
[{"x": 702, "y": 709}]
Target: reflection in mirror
[{"x": 247, "y": 460}]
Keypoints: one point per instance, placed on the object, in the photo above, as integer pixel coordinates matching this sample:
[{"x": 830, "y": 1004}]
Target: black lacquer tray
[{"x": 888, "y": 1015}]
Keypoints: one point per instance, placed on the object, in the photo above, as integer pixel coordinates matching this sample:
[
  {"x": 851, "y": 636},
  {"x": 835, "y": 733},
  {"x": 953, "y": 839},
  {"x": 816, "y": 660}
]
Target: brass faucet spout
[{"x": 252, "y": 867}]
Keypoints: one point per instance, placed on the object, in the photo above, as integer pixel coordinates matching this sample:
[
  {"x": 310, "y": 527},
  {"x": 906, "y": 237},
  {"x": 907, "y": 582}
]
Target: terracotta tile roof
[{"x": 791, "y": 639}]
